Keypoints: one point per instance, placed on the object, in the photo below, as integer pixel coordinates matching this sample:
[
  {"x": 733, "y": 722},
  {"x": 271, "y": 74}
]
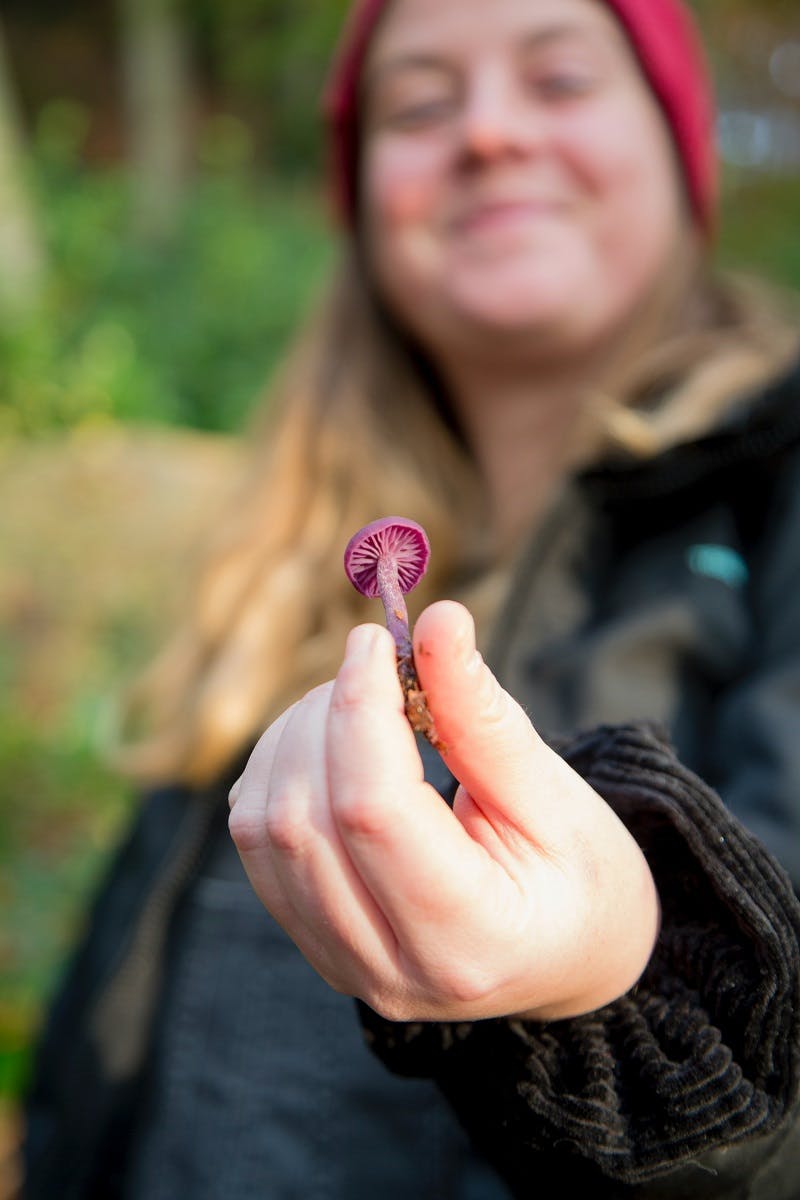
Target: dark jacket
[{"x": 656, "y": 608}]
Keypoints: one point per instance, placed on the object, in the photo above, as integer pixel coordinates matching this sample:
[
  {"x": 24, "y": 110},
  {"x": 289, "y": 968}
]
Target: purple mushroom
[{"x": 387, "y": 558}]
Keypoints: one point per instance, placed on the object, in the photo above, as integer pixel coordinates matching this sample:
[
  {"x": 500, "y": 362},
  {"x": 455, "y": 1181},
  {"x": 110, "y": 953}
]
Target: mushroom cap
[{"x": 402, "y": 541}]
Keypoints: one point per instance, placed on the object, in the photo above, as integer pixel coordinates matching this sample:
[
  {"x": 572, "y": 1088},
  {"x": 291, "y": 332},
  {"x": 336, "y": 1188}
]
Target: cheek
[
  {"x": 402, "y": 190},
  {"x": 401, "y": 184},
  {"x": 636, "y": 181}
]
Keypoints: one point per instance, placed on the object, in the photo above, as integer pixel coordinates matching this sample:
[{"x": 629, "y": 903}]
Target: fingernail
[
  {"x": 470, "y": 655},
  {"x": 473, "y": 663}
]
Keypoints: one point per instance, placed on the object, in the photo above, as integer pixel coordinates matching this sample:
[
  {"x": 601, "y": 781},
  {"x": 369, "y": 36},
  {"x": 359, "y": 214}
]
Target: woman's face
[{"x": 519, "y": 181}]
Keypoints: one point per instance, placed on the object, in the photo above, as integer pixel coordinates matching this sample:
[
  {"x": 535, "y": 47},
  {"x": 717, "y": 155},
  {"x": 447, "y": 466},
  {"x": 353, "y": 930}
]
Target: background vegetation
[{"x": 162, "y": 226}]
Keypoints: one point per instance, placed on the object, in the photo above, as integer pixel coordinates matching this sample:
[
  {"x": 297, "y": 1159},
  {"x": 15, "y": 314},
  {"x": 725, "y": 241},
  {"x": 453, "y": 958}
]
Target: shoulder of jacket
[{"x": 759, "y": 439}]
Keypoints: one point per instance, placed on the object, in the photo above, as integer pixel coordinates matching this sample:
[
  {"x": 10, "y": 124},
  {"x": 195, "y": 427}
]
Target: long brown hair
[{"x": 357, "y": 429}]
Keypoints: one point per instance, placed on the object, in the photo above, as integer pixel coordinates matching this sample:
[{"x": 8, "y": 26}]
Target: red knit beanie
[{"x": 666, "y": 42}]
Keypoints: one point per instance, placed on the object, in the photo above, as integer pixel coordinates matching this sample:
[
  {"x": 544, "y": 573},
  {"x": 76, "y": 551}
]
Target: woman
[{"x": 590, "y": 956}]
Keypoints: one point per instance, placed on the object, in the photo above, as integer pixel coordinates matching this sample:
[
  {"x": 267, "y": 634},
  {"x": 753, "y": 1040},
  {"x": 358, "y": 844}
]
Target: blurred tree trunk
[
  {"x": 157, "y": 91},
  {"x": 22, "y": 257}
]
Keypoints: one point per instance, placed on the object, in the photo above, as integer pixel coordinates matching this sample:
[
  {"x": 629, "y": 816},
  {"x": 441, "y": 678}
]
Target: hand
[{"x": 528, "y": 898}]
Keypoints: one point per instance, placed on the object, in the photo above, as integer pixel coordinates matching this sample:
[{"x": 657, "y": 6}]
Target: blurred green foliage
[
  {"x": 186, "y": 333},
  {"x": 270, "y": 58},
  {"x": 758, "y": 231}
]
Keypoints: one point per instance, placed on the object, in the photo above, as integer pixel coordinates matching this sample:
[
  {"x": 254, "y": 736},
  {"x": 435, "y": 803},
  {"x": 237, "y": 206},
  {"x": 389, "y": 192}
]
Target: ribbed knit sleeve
[{"x": 702, "y": 1053}]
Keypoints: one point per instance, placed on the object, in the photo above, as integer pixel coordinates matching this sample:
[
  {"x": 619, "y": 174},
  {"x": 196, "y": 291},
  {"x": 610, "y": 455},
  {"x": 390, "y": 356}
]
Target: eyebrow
[
  {"x": 423, "y": 60},
  {"x": 409, "y": 61},
  {"x": 555, "y": 33}
]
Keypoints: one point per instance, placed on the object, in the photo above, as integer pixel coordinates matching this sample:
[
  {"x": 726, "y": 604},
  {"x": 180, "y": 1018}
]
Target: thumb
[
  {"x": 492, "y": 747},
  {"x": 524, "y": 796}
]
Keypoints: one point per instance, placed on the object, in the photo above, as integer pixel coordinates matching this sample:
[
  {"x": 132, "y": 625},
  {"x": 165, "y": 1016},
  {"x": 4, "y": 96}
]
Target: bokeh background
[{"x": 163, "y": 225}]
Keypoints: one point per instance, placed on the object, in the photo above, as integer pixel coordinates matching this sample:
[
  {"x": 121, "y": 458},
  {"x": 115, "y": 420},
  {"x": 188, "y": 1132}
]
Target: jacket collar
[{"x": 764, "y": 425}]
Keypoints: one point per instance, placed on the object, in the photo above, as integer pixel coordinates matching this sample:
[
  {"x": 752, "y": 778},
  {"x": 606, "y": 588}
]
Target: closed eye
[
  {"x": 420, "y": 114},
  {"x": 561, "y": 85}
]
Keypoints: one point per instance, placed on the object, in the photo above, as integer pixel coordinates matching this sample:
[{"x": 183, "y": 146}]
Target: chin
[
  {"x": 502, "y": 315},
  {"x": 518, "y": 294}
]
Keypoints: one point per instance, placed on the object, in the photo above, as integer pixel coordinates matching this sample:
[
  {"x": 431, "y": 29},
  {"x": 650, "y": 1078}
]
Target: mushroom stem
[
  {"x": 387, "y": 558},
  {"x": 394, "y": 605}
]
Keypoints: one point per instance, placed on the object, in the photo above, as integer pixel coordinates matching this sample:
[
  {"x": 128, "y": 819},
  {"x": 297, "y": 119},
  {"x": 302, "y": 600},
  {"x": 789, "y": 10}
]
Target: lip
[{"x": 492, "y": 215}]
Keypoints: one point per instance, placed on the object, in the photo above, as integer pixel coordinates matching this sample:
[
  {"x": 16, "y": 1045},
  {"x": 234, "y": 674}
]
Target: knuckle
[
  {"x": 357, "y": 815},
  {"x": 389, "y": 1005},
  {"x": 247, "y": 829},
  {"x": 458, "y": 993},
  {"x": 461, "y": 984},
  {"x": 285, "y": 830},
  {"x": 395, "y": 1010}
]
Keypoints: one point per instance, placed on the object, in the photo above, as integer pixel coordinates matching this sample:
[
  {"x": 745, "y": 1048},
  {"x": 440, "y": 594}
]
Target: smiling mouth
[{"x": 503, "y": 215}]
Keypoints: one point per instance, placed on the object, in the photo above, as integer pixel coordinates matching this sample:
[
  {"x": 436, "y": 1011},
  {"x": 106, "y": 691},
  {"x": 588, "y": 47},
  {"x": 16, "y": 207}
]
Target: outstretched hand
[{"x": 529, "y": 897}]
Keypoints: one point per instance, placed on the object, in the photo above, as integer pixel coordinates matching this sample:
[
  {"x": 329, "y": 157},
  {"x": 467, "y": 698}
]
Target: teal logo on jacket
[{"x": 718, "y": 562}]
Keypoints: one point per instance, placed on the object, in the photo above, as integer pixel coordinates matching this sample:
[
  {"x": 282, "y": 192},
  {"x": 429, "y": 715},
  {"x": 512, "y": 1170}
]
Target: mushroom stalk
[{"x": 394, "y": 605}]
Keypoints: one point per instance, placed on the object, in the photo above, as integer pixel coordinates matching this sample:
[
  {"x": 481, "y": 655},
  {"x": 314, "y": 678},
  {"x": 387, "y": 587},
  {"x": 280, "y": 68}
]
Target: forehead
[{"x": 455, "y": 27}]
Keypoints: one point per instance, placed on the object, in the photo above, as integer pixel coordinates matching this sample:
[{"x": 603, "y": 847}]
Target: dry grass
[{"x": 97, "y": 532}]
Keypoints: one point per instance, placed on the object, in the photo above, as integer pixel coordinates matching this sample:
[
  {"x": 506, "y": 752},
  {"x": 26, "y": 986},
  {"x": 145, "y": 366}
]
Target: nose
[{"x": 497, "y": 120}]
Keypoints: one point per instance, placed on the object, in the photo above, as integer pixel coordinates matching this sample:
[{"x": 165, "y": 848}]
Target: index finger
[{"x": 413, "y": 855}]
